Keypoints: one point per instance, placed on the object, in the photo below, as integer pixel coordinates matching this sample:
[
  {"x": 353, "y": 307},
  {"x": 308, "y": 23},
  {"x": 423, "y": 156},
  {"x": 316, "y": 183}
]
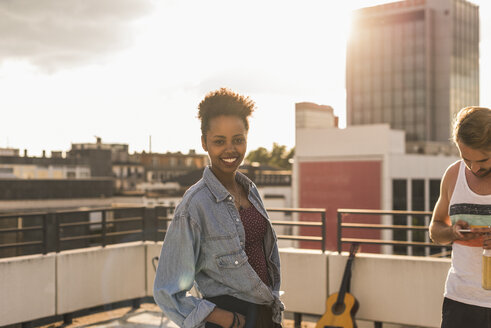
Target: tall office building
[{"x": 413, "y": 64}]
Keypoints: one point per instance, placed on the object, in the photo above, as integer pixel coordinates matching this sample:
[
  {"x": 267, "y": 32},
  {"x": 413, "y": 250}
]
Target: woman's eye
[{"x": 218, "y": 142}]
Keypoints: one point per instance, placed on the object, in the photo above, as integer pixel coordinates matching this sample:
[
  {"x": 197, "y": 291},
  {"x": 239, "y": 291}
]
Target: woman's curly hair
[{"x": 224, "y": 102}]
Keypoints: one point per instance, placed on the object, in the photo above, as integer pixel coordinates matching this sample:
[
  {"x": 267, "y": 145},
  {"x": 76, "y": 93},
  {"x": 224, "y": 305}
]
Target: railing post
[
  {"x": 323, "y": 217},
  {"x": 68, "y": 318},
  {"x": 51, "y": 232},
  {"x": 135, "y": 303},
  {"x": 103, "y": 230},
  {"x": 144, "y": 224},
  {"x": 297, "y": 320},
  {"x": 57, "y": 232},
  {"x": 158, "y": 210},
  {"x": 340, "y": 246},
  {"x": 427, "y": 236},
  {"x": 45, "y": 234},
  {"x": 149, "y": 217}
]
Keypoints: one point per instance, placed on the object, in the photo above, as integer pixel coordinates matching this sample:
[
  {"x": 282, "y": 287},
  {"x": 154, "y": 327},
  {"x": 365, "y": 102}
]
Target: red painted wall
[{"x": 333, "y": 185}]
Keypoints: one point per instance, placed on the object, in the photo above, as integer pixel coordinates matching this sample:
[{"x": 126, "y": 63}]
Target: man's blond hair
[{"x": 473, "y": 127}]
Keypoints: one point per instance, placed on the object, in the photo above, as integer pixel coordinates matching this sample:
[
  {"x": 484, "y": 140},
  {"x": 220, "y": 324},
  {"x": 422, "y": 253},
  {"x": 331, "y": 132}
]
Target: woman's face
[{"x": 226, "y": 143}]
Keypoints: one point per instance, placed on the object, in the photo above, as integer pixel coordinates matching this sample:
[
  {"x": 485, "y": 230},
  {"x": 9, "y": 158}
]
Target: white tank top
[{"x": 465, "y": 275}]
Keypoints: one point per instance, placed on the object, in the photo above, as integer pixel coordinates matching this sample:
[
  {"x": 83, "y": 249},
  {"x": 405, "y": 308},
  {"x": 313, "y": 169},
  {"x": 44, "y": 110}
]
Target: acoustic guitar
[{"x": 341, "y": 307}]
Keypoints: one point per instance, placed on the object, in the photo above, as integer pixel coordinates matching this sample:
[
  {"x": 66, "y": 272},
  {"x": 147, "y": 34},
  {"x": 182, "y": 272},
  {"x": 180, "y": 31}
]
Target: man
[{"x": 465, "y": 204}]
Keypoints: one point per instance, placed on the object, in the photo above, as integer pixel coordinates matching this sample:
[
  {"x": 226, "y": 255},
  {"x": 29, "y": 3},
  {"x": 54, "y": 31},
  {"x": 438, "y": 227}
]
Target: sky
[{"x": 133, "y": 70}]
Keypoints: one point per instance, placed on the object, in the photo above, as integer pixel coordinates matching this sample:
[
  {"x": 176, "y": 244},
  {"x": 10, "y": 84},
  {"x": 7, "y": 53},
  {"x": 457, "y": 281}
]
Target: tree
[
  {"x": 260, "y": 155},
  {"x": 278, "y": 157}
]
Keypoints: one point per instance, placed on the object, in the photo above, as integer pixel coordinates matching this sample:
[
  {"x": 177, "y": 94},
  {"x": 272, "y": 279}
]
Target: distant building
[
  {"x": 98, "y": 155},
  {"x": 127, "y": 176},
  {"x": 413, "y": 64},
  {"x": 9, "y": 152},
  {"x": 54, "y": 167},
  {"x": 161, "y": 167},
  {"x": 50, "y": 183},
  {"x": 365, "y": 167},
  {"x": 311, "y": 115}
]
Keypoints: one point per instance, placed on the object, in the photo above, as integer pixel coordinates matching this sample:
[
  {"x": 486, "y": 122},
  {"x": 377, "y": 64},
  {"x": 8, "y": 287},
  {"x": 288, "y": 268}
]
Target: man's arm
[{"x": 441, "y": 229}]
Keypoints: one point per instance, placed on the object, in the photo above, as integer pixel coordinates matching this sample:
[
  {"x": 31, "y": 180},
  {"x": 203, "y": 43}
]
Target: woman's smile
[{"x": 230, "y": 160}]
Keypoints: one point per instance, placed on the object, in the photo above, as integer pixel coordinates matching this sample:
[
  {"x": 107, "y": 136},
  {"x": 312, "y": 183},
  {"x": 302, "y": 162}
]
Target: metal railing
[
  {"x": 34, "y": 233},
  {"x": 31, "y": 233},
  {"x": 321, "y": 224},
  {"x": 64, "y": 230},
  {"x": 408, "y": 243},
  {"x": 23, "y": 231}
]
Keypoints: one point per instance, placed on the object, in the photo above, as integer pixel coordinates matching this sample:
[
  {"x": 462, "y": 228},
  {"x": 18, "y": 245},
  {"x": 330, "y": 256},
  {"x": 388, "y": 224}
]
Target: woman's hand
[
  {"x": 240, "y": 321},
  {"x": 226, "y": 319}
]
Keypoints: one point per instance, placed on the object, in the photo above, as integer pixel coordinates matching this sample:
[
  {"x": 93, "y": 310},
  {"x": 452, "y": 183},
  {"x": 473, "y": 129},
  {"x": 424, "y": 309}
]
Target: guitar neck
[
  {"x": 346, "y": 276},
  {"x": 344, "y": 283}
]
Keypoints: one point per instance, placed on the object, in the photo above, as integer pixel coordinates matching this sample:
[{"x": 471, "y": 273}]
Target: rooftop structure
[{"x": 308, "y": 114}]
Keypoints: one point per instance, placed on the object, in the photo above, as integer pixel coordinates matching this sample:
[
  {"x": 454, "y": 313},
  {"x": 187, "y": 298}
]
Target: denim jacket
[{"x": 205, "y": 243}]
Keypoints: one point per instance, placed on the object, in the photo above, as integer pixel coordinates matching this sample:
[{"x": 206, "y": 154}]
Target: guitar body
[{"x": 339, "y": 315}]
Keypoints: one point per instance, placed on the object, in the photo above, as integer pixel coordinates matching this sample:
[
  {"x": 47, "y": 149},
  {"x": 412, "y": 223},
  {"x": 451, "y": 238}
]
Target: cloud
[{"x": 54, "y": 34}]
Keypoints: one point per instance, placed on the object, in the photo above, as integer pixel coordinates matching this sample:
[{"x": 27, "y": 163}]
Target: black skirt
[{"x": 257, "y": 315}]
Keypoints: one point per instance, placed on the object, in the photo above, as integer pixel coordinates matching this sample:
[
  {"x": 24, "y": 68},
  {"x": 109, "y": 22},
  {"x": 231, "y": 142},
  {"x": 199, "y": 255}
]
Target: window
[
  {"x": 399, "y": 202},
  {"x": 6, "y": 170},
  {"x": 418, "y": 204},
  {"x": 409, "y": 97},
  {"x": 420, "y": 97},
  {"x": 434, "y": 192}
]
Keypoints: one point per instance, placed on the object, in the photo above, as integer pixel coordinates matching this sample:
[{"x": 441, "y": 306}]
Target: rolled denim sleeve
[{"x": 175, "y": 275}]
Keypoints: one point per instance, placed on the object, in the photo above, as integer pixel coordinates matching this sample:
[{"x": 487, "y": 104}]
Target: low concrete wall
[
  {"x": 304, "y": 279},
  {"x": 27, "y": 288},
  {"x": 398, "y": 289},
  {"x": 95, "y": 276},
  {"x": 394, "y": 289}
]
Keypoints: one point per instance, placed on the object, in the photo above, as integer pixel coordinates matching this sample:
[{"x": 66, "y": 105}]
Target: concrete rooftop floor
[{"x": 148, "y": 315}]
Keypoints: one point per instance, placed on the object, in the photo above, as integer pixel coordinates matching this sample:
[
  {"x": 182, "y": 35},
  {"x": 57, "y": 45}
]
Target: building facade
[
  {"x": 54, "y": 167},
  {"x": 413, "y": 64},
  {"x": 162, "y": 167},
  {"x": 366, "y": 167},
  {"x": 100, "y": 156}
]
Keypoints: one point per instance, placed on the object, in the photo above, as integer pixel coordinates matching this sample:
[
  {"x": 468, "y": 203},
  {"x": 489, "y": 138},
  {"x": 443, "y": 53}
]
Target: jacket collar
[{"x": 216, "y": 187}]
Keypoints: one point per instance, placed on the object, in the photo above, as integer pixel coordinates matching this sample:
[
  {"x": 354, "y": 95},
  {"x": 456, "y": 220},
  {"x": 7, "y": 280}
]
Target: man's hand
[
  {"x": 473, "y": 234},
  {"x": 460, "y": 225}
]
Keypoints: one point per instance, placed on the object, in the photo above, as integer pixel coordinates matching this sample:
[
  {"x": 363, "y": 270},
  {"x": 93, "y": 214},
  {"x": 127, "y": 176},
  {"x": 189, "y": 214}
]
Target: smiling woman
[
  {"x": 224, "y": 126},
  {"x": 221, "y": 235}
]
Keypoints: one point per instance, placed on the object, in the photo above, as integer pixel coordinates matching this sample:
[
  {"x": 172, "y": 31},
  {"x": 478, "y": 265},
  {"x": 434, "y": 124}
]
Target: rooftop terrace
[{"x": 105, "y": 266}]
